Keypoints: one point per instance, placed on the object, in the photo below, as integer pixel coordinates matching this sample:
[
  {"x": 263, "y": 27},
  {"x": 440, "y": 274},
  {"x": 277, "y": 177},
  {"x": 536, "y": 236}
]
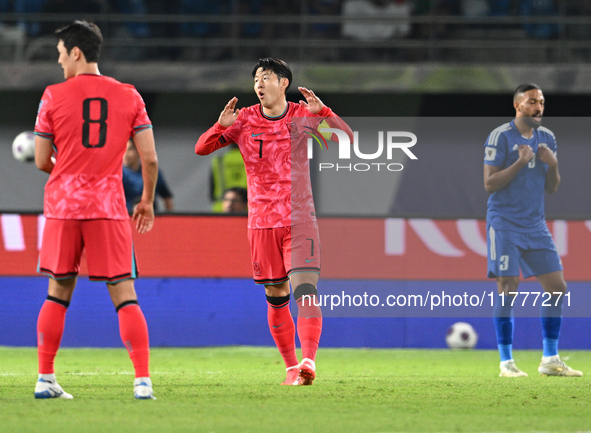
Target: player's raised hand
[
  {"x": 525, "y": 153},
  {"x": 229, "y": 113},
  {"x": 312, "y": 102},
  {"x": 547, "y": 156},
  {"x": 143, "y": 215}
]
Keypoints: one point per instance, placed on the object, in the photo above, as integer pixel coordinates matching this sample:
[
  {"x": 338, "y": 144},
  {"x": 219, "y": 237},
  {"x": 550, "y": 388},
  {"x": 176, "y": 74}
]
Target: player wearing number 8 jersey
[
  {"x": 519, "y": 166},
  {"x": 83, "y": 125},
  {"x": 282, "y": 227}
]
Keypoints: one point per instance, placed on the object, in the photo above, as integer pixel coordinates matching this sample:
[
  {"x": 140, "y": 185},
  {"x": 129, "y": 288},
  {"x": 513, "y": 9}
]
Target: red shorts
[
  {"x": 108, "y": 244},
  {"x": 278, "y": 252}
]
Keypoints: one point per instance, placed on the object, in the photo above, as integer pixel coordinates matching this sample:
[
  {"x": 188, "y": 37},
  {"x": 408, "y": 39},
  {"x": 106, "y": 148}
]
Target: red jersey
[
  {"x": 90, "y": 118},
  {"x": 275, "y": 157}
]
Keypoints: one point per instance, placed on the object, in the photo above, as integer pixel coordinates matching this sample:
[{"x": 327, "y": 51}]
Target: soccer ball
[
  {"x": 461, "y": 335},
  {"x": 23, "y": 147}
]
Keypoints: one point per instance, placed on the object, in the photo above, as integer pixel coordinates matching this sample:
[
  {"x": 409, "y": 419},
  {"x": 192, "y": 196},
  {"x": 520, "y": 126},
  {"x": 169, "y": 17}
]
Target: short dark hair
[
  {"x": 278, "y": 67},
  {"x": 84, "y": 35},
  {"x": 238, "y": 191},
  {"x": 522, "y": 88}
]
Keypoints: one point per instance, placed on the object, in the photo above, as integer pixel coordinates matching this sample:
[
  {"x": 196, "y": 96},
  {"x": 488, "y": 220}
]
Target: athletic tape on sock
[
  {"x": 278, "y": 301},
  {"x": 58, "y": 301},
  {"x": 125, "y": 304},
  {"x": 303, "y": 290}
]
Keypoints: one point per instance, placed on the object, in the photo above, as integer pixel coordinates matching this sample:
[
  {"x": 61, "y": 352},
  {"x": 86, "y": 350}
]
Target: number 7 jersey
[
  {"x": 89, "y": 118},
  {"x": 275, "y": 157}
]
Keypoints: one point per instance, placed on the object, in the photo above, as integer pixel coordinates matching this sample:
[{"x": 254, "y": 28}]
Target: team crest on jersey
[
  {"x": 292, "y": 127},
  {"x": 490, "y": 153},
  {"x": 516, "y": 147},
  {"x": 256, "y": 268}
]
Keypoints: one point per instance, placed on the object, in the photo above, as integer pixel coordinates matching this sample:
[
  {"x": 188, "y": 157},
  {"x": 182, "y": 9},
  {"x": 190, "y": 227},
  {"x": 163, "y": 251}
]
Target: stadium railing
[{"x": 433, "y": 38}]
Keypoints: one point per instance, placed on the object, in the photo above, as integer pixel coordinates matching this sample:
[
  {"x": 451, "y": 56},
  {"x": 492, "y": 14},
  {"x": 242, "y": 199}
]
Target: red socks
[
  {"x": 134, "y": 334},
  {"x": 282, "y": 328},
  {"x": 309, "y": 326},
  {"x": 132, "y": 326},
  {"x": 50, "y": 328}
]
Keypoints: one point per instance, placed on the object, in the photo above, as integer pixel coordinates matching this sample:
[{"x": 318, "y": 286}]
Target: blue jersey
[{"x": 519, "y": 205}]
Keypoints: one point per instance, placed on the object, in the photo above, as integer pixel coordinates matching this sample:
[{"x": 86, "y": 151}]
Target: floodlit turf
[{"x": 236, "y": 389}]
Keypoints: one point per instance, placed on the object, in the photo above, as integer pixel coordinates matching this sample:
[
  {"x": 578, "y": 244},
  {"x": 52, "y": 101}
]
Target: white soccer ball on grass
[{"x": 461, "y": 335}]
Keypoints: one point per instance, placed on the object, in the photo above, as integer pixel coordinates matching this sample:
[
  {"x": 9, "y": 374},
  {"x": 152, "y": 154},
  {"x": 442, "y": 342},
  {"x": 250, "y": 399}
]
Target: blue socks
[
  {"x": 551, "y": 319},
  {"x": 503, "y": 320}
]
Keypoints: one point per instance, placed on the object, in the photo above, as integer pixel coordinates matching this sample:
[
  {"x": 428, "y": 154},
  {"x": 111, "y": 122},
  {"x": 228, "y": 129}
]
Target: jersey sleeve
[
  {"x": 142, "y": 121},
  {"x": 495, "y": 150},
  {"x": 218, "y": 136},
  {"x": 552, "y": 143},
  {"x": 43, "y": 123}
]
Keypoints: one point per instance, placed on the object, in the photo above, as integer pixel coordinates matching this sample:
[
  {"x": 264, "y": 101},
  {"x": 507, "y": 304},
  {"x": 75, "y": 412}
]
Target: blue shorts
[{"x": 535, "y": 253}]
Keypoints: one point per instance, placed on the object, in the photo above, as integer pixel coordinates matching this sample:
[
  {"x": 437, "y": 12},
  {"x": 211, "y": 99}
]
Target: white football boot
[
  {"x": 142, "y": 388},
  {"x": 509, "y": 369},
  {"x": 50, "y": 389},
  {"x": 554, "y": 366}
]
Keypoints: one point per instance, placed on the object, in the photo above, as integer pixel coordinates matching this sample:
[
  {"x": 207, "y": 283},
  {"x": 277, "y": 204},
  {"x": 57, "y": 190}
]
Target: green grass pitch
[{"x": 236, "y": 389}]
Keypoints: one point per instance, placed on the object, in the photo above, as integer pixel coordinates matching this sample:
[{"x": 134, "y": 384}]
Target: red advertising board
[{"x": 352, "y": 248}]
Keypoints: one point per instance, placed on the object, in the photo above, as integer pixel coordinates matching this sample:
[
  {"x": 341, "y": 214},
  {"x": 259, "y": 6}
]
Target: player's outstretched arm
[
  {"x": 210, "y": 141},
  {"x": 495, "y": 178},
  {"x": 143, "y": 213},
  {"x": 312, "y": 102},
  {"x": 43, "y": 153}
]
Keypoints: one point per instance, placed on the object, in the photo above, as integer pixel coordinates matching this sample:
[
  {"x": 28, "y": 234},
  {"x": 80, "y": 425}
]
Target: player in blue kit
[{"x": 519, "y": 165}]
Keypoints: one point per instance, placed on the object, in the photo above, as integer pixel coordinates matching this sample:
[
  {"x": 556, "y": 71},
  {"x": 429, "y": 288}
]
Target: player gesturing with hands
[
  {"x": 548, "y": 157},
  {"x": 525, "y": 154},
  {"x": 520, "y": 164},
  {"x": 282, "y": 227},
  {"x": 230, "y": 113},
  {"x": 312, "y": 102},
  {"x": 496, "y": 178}
]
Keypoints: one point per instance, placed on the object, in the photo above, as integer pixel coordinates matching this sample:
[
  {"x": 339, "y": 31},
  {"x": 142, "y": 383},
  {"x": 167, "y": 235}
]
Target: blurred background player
[
  {"x": 519, "y": 165},
  {"x": 133, "y": 183},
  {"x": 86, "y": 121},
  {"x": 284, "y": 245},
  {"x": 227, "y": 171},
  {"x": 235, "y": 201}
]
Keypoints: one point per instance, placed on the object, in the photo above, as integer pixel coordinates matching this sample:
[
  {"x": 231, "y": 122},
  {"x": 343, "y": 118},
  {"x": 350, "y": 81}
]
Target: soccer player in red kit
[
  {"x": 282, "y": 227},
  {"x": 82, "y": 129}
]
